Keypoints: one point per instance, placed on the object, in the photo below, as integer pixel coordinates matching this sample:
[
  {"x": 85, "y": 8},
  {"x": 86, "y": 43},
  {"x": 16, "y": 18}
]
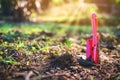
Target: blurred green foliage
[
  {"x": 57, "y": 2},
  {"x": 22, "y": 30},
  {"x": 117, "y": 1},
  {"x": 118, "y": 77}
]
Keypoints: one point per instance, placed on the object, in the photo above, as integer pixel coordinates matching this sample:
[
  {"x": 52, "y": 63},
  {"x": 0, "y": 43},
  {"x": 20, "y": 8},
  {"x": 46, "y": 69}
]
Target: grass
[
  {"x": 9, "y": 60},
  {"x": 59, "y": 28}
]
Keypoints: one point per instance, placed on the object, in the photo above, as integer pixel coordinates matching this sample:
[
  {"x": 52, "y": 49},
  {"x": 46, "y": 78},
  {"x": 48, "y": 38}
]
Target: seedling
[
  {"x": 92, "y": 43},
  {"x": 118, "y": 77},
  {"x": 9, "y": 60},
  {"x": 68, "y": 43}
]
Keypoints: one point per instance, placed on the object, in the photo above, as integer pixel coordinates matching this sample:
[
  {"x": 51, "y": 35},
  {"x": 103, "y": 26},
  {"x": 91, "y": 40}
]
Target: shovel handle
[{"x": 95, "y": 51}]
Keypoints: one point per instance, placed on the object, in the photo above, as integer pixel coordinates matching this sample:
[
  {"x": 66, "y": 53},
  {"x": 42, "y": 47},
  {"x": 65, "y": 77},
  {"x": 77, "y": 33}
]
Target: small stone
[
  {"x": 73, "y": 78},
  {"x": 77, "y": 76},
  {"x": 64, "y": 78},
  {"x": 48, "y": 73},
  {"x": 58, "y": 68},
  {"x": 52, "y": 71},
  {"x": 67, "y": 75}
]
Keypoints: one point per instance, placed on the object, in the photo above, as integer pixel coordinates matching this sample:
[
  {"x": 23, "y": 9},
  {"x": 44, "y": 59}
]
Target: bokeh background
[{"x": 60, "y": 11}]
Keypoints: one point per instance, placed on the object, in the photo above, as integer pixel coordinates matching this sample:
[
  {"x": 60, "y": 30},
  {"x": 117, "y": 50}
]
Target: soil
[{"x": 59, "y": 61}]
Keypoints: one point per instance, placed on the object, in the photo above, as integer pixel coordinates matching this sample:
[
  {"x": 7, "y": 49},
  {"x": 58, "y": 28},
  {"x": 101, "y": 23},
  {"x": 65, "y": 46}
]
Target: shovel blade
[
  {"x": 92, "y": 52},
  {"x": 89, "y": 51}
]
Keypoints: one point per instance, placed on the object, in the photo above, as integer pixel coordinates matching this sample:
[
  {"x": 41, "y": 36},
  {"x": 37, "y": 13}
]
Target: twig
[
  {"x": 26, "y": 75},
  {"x": 47, "y": 76}
]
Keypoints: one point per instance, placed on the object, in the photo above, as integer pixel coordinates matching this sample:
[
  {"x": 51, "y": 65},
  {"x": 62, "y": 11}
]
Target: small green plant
[
  {"x": 33, "y": 48},
  {"x": 82, "y": 41},
  {"x": 118, "y": 77},
  {"x": 20, "y": 45},
  {"x": 68, "y": 43},
  {"x": 9, "y": 60},
  {"x": 28, "y": 63},
  {"x": 91, "y": 78},
  {"x": 54, "y": 52},
  {"x": 46, "y": 57},
  {"x": 45, "y": 48}
]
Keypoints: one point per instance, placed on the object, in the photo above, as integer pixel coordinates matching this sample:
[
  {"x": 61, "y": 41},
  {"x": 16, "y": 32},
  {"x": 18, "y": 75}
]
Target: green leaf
[
  {"x": 118, "y": 77},
  {"x": 91, "y": 78},
  {"x": 82, "y": 41},
  {"x": 8, "y": 60},
  {"x": 33, "y": 48},
  {"x": 68, "y": 43}
]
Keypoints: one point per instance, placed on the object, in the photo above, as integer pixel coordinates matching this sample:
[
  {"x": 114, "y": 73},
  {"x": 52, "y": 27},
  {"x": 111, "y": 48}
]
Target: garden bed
[{"x": 51, "y": 51}]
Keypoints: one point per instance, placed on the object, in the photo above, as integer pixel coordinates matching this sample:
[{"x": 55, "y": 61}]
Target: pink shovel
[{"x": 92, "y": 43}]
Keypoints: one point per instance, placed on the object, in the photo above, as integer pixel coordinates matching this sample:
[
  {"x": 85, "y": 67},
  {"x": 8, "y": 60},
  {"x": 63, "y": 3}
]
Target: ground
[{"x": 47, "y": 51}]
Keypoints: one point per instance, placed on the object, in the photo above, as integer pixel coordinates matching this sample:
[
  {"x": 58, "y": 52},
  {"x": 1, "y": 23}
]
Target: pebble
[
  {"x": 52, "y": 71},
  {"x": 48, "y": 73},
  {"x": 67, "y": 75},
  {"x": 76, "y": 76}
]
